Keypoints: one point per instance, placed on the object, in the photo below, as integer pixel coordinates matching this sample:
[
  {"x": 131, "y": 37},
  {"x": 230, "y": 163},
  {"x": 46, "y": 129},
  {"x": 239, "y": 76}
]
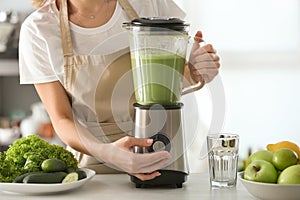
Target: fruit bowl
[{"x": 270, "y": 191}]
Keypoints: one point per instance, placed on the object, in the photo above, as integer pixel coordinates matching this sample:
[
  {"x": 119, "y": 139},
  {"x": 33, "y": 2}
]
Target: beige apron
[{"x": 100, "y": 89}]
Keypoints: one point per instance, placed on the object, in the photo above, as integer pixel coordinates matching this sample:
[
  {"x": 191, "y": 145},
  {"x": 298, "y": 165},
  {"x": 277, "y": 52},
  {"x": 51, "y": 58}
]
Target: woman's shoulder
[{"x": 42, "y": 19}]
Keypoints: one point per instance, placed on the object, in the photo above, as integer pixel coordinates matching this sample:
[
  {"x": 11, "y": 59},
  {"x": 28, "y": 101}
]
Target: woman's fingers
[
  {"x": 206, "y": 64},
  {"x": 147, "y": 176},
  {"x": 130, "y": 162},
  {"x": 127, "y": 143},
  {"x": 148, "y": 159},
  {"x": 207, "y": 74},
  {"x": 148, "y": 166},
  {"x": 197, "y": 40},
  {"x": 208, "y": 57},
  {"x": 149, "y": 162},
  {"x": 208, "y": 48},
  {"x": 198, "y": 37},
  {"x": 141, "y": 142}
]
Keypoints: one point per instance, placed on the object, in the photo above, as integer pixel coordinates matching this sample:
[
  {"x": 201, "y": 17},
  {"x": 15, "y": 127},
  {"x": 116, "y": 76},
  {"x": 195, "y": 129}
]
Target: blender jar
[{"x": 158, "y": 54}]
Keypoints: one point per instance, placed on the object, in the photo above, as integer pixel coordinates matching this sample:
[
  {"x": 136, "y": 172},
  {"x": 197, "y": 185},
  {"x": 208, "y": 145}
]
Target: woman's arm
[
  {"x": 119, "y": 153},
  {"x": 57, "y": 104}
]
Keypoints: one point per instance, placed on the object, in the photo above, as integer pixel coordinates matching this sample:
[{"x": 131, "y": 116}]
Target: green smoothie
[{"x": 157, "y": 78}]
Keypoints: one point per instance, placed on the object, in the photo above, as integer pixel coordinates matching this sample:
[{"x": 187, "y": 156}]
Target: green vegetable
[
  {"x": 7, "y": 168},
  {"x": 52, "y": 177},
  {"x": 71, "y": 169},
  {"x": 53, "y": 165},
  {"x": 20, "y": 178},
  {"x": 33, "y": 161},
  {"x": 27, "y": 154},
  {"x": 81, "y": 174},
  {"x": 71, "y": 177}
]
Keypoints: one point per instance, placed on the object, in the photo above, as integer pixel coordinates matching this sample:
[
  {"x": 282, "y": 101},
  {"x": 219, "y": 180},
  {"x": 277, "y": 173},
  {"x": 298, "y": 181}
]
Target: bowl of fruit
[{"x": 273, "y": 173}]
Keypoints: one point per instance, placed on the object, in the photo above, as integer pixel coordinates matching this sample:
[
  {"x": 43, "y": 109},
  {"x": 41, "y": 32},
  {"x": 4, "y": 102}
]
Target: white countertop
[{"x": 119, "y": 187}]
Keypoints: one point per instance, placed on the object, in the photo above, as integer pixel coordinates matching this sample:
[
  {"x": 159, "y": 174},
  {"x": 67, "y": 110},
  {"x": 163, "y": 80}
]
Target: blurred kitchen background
[{"x": 256, "y": 94}]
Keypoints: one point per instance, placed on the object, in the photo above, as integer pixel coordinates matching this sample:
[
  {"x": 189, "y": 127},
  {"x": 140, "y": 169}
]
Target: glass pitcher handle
[
  {"x": 198, "y": 85},
  {"x": 193, "y": 88}
]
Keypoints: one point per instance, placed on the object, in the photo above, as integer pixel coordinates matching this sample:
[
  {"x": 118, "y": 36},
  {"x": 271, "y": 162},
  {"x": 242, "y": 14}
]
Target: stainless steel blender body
[{"x": 163, "y": 124}]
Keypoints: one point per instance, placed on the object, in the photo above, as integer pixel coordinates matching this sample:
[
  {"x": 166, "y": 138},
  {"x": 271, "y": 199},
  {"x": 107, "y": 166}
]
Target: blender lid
[{"x": 159, "y": 22}]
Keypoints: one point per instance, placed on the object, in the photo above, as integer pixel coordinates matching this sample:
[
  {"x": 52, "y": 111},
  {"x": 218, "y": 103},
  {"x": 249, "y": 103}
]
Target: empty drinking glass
[{"x": 223, "y": 159}]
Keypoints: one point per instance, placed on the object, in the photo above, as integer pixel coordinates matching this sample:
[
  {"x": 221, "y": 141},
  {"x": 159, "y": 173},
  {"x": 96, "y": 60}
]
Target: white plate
[
  {"x": 268, "y": 191},
  {"x": 45, "y": 188}
]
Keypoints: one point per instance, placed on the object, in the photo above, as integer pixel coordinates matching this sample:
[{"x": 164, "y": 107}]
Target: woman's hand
[
  {"x": 143, "y": 166},
  {"x": 119, "y": 154},
  {"x": 204, "y": 62}
]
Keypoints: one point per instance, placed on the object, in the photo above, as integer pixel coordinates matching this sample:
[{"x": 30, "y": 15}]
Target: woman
[{"x": 74, "y": 53}]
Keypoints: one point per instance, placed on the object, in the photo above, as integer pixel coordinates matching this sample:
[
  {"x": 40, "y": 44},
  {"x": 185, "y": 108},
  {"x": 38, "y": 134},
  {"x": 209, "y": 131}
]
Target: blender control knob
[{"x": 160, "y": 143}]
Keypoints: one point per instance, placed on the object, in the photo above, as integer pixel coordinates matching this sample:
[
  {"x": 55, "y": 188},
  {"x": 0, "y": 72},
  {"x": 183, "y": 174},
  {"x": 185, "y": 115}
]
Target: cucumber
[
  {"x": 53, "y": 165},
  {"x": 81, "y": 174},
  {"x": 71, "y": 177},
  {"x": 71, "y": 169},
  {"x": 20, "y": 178},
  {"x": 51, "y": 177}
]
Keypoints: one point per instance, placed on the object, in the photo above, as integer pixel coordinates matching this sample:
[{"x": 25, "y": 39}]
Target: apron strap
[
  {"x": 129, "y": 10},
  {"x": 65, "y": 29}
]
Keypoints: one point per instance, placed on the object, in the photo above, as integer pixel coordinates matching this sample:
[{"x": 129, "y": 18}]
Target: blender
[{"x": 158, "y": 49}]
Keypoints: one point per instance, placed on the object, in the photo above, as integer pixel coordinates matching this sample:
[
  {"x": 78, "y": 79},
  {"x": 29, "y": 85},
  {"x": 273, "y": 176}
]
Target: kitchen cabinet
[
  {"x": 13, "y": 96},
  {"x": 20, "y": 96},
  {"x": 9, "y": 67}
]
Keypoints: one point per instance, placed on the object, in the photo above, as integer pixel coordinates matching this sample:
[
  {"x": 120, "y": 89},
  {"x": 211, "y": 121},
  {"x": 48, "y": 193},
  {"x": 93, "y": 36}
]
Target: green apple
[
  {"x": 260, "y": 155},
  {"x": 261, "y": 171},
  {"x": 283, "y": 158},
  {"x": 290, "y": 175}
]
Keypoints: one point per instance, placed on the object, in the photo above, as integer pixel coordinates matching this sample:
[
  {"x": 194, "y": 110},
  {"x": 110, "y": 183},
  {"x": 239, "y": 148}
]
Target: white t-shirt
[{"x": 40, "y": 47}]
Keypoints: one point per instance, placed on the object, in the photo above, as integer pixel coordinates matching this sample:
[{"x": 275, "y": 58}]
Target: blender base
[{"x": 168, "y": 178}]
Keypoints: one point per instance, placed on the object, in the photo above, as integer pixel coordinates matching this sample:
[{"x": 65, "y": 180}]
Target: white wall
[
  {"x": 261, "y": 80},
  {"x": 262, "y": 104},
  {"x": 17, "y": 5}
]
